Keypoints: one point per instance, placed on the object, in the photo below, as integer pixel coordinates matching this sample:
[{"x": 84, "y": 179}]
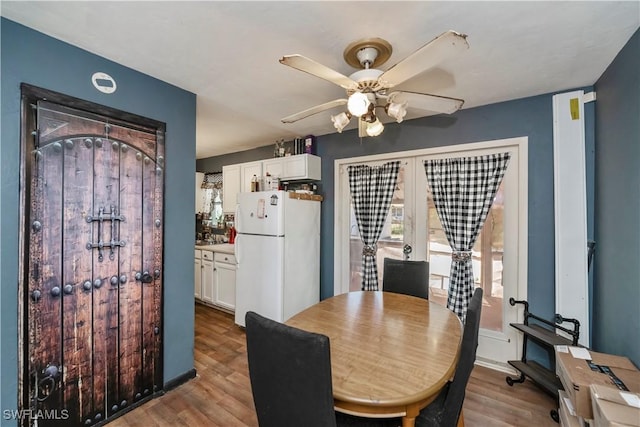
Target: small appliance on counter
[{"x": 232, "y": 235}]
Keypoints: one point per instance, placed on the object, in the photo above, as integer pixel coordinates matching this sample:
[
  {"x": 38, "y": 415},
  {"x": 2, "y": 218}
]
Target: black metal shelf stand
[{"x": 544, "y": 333}]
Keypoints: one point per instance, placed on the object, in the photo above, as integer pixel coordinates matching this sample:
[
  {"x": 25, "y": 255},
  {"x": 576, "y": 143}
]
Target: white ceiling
[{"x": 227, "y": 52}]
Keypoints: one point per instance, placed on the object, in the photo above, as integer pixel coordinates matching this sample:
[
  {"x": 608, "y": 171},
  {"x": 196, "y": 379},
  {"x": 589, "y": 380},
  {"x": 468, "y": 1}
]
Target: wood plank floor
[{"x": 220, "y": 395}]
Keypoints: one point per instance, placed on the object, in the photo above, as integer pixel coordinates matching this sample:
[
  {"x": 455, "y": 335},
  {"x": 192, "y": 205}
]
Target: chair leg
[{"x": 461, "y": 420}]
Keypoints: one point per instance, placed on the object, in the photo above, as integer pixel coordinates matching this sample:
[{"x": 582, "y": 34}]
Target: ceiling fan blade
[
  {"x": 428, "y": 56},
  {"x": 423, "y": 101},
  {"x": 314, "y": 68},
  {"x": 313, "y": 110}
]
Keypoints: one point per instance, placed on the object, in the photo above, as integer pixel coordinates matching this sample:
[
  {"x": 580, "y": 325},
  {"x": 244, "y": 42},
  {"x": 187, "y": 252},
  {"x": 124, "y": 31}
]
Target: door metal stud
[{"x": 35, "y": 295}]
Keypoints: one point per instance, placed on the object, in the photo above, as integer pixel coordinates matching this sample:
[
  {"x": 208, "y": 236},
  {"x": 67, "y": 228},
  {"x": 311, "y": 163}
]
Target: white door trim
[{"x": 570, "y": 209}]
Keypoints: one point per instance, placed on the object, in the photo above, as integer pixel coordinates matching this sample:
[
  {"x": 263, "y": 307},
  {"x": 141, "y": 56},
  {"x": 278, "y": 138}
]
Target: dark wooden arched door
[{"x": 93, "y": 266}]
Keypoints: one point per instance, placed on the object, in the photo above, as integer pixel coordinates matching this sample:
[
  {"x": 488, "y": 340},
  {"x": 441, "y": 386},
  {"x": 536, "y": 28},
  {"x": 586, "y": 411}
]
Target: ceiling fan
[{"x": 369, "y": 88}]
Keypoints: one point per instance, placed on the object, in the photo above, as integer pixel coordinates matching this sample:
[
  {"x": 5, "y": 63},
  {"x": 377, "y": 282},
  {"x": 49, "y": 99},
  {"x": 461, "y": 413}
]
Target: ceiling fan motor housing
[{"x": 367, "y": 79}]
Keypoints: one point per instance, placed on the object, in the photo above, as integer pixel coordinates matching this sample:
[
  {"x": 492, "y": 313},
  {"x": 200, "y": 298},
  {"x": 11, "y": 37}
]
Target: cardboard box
[
  {"x": 614, "y": 408},
  {"x": 567, "y": 414},
  {"x": 577, "y": 376}
]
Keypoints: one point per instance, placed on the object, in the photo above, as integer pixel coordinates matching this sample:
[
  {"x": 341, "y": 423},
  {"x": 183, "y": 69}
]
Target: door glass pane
[
  {"x": 487, "y": 256},
  {"x": 391, "y": 239}
]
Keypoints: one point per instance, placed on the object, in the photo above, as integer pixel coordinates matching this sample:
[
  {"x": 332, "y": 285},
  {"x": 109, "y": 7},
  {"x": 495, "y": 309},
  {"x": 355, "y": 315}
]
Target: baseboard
[
  {"x": 500, "y": 367},
  {"x": 180, "y": 379}
]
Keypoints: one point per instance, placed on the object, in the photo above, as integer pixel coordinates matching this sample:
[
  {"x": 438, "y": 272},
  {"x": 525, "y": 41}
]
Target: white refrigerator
[{"x": 277, "y": 250}]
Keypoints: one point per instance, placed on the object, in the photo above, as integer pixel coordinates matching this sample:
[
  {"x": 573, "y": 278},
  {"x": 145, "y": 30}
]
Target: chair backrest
[
  {"x": 406, "y": 277},
  {"x": 455, "y": 396},
  {"x": 290, "y": 373}
]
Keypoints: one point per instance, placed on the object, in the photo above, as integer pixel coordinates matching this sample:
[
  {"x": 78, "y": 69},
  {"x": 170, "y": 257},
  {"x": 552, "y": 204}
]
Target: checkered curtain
[
  {"x": 463, "y": 190},
  {"x": 212, "y": 180},
  {"x": 372, "y": 189}
]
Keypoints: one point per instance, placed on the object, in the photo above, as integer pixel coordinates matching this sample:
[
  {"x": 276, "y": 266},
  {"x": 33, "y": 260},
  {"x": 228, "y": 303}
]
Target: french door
[{"x": 413, "y": 229}]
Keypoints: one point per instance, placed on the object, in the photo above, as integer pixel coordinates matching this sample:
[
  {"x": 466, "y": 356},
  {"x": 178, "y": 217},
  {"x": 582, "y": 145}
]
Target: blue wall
[
  {"x": 616, "y": 307},
  {"x": 31, "y": 57}
]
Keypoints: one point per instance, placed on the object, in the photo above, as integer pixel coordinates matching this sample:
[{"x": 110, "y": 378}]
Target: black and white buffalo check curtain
[
  {"x": 372, "y": 189},
  {"x": 463, "y": 190}
]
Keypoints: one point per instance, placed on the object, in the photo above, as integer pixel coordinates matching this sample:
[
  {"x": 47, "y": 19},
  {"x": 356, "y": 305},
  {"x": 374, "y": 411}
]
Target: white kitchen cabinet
[
  {"x": 274, "y": 167},
  {"x": 237, "y": 178},
  {"x": 197, "y": 274},
  {"x": 225, "y": 280},
  {"x": 208, "y": 277},
  {"x": 303, "y": 166},
  {"x": 247, "y": 171},
  {"x": 230, "y": 187}
]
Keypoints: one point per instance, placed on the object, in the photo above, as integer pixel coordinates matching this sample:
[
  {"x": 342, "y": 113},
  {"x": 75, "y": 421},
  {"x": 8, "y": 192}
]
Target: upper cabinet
[
  {"x": 247, "y": 171},
  {"x": 237, "y": 178},
  {"x": 303, "y": 166}
]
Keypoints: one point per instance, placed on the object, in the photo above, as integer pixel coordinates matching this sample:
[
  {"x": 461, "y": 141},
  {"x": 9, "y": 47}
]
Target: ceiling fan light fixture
[
  {"x": 396, "y": 110},
  {"x": 358, "y": 104},
  {"x": 341, "y": 120},
  {"x": 375, "y": 128}
]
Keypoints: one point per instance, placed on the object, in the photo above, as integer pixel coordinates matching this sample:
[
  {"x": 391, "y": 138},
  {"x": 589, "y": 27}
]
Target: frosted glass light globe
[
  {"x": 358, "y": 104},
  {"x": 375, "y": 128}
]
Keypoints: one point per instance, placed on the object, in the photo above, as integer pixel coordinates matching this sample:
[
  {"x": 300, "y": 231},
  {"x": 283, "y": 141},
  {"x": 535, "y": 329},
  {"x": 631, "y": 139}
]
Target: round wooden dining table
[{"x": 391, "y": 354}]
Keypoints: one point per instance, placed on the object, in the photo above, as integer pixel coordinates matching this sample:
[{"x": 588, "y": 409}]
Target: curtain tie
[
  {"x": 461, "y": 255},
  {"x": 369, "y": 250}
]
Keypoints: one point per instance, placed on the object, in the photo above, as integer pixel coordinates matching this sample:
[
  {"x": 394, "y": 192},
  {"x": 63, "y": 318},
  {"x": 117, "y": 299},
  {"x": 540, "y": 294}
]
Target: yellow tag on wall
[{"x": 575, "y": 108}]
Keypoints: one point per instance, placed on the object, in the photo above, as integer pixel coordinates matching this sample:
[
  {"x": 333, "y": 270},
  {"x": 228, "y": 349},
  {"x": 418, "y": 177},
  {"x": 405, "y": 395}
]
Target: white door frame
[
  {"x": 570, "y": 211},
  {"x": 490, "y": 352}
]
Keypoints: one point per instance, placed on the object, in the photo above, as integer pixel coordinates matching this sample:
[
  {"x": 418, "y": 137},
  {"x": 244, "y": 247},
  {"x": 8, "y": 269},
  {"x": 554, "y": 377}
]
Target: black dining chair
[
  {"x": 446, "y": 409},
  {"x": 290, "y": 374},
  {"x": 406, "y": 277}
]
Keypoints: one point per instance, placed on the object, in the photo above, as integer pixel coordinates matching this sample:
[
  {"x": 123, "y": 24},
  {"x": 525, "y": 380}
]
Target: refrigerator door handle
[
  {"x": 236, "y": 219},
  {"x": 236, "y": 249}
]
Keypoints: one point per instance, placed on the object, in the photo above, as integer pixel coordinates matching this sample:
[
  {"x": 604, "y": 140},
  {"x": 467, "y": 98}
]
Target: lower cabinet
[
  {"x": 197, "y": 274},
  {"x": 208, "y": 277},
  {"x": 225, "y": 280},
  {"x": 215, "y": 278}
]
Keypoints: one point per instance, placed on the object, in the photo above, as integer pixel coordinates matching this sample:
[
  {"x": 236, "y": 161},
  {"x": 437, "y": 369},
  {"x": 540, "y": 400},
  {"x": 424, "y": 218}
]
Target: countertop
[{"x": 226, "y": 248}]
